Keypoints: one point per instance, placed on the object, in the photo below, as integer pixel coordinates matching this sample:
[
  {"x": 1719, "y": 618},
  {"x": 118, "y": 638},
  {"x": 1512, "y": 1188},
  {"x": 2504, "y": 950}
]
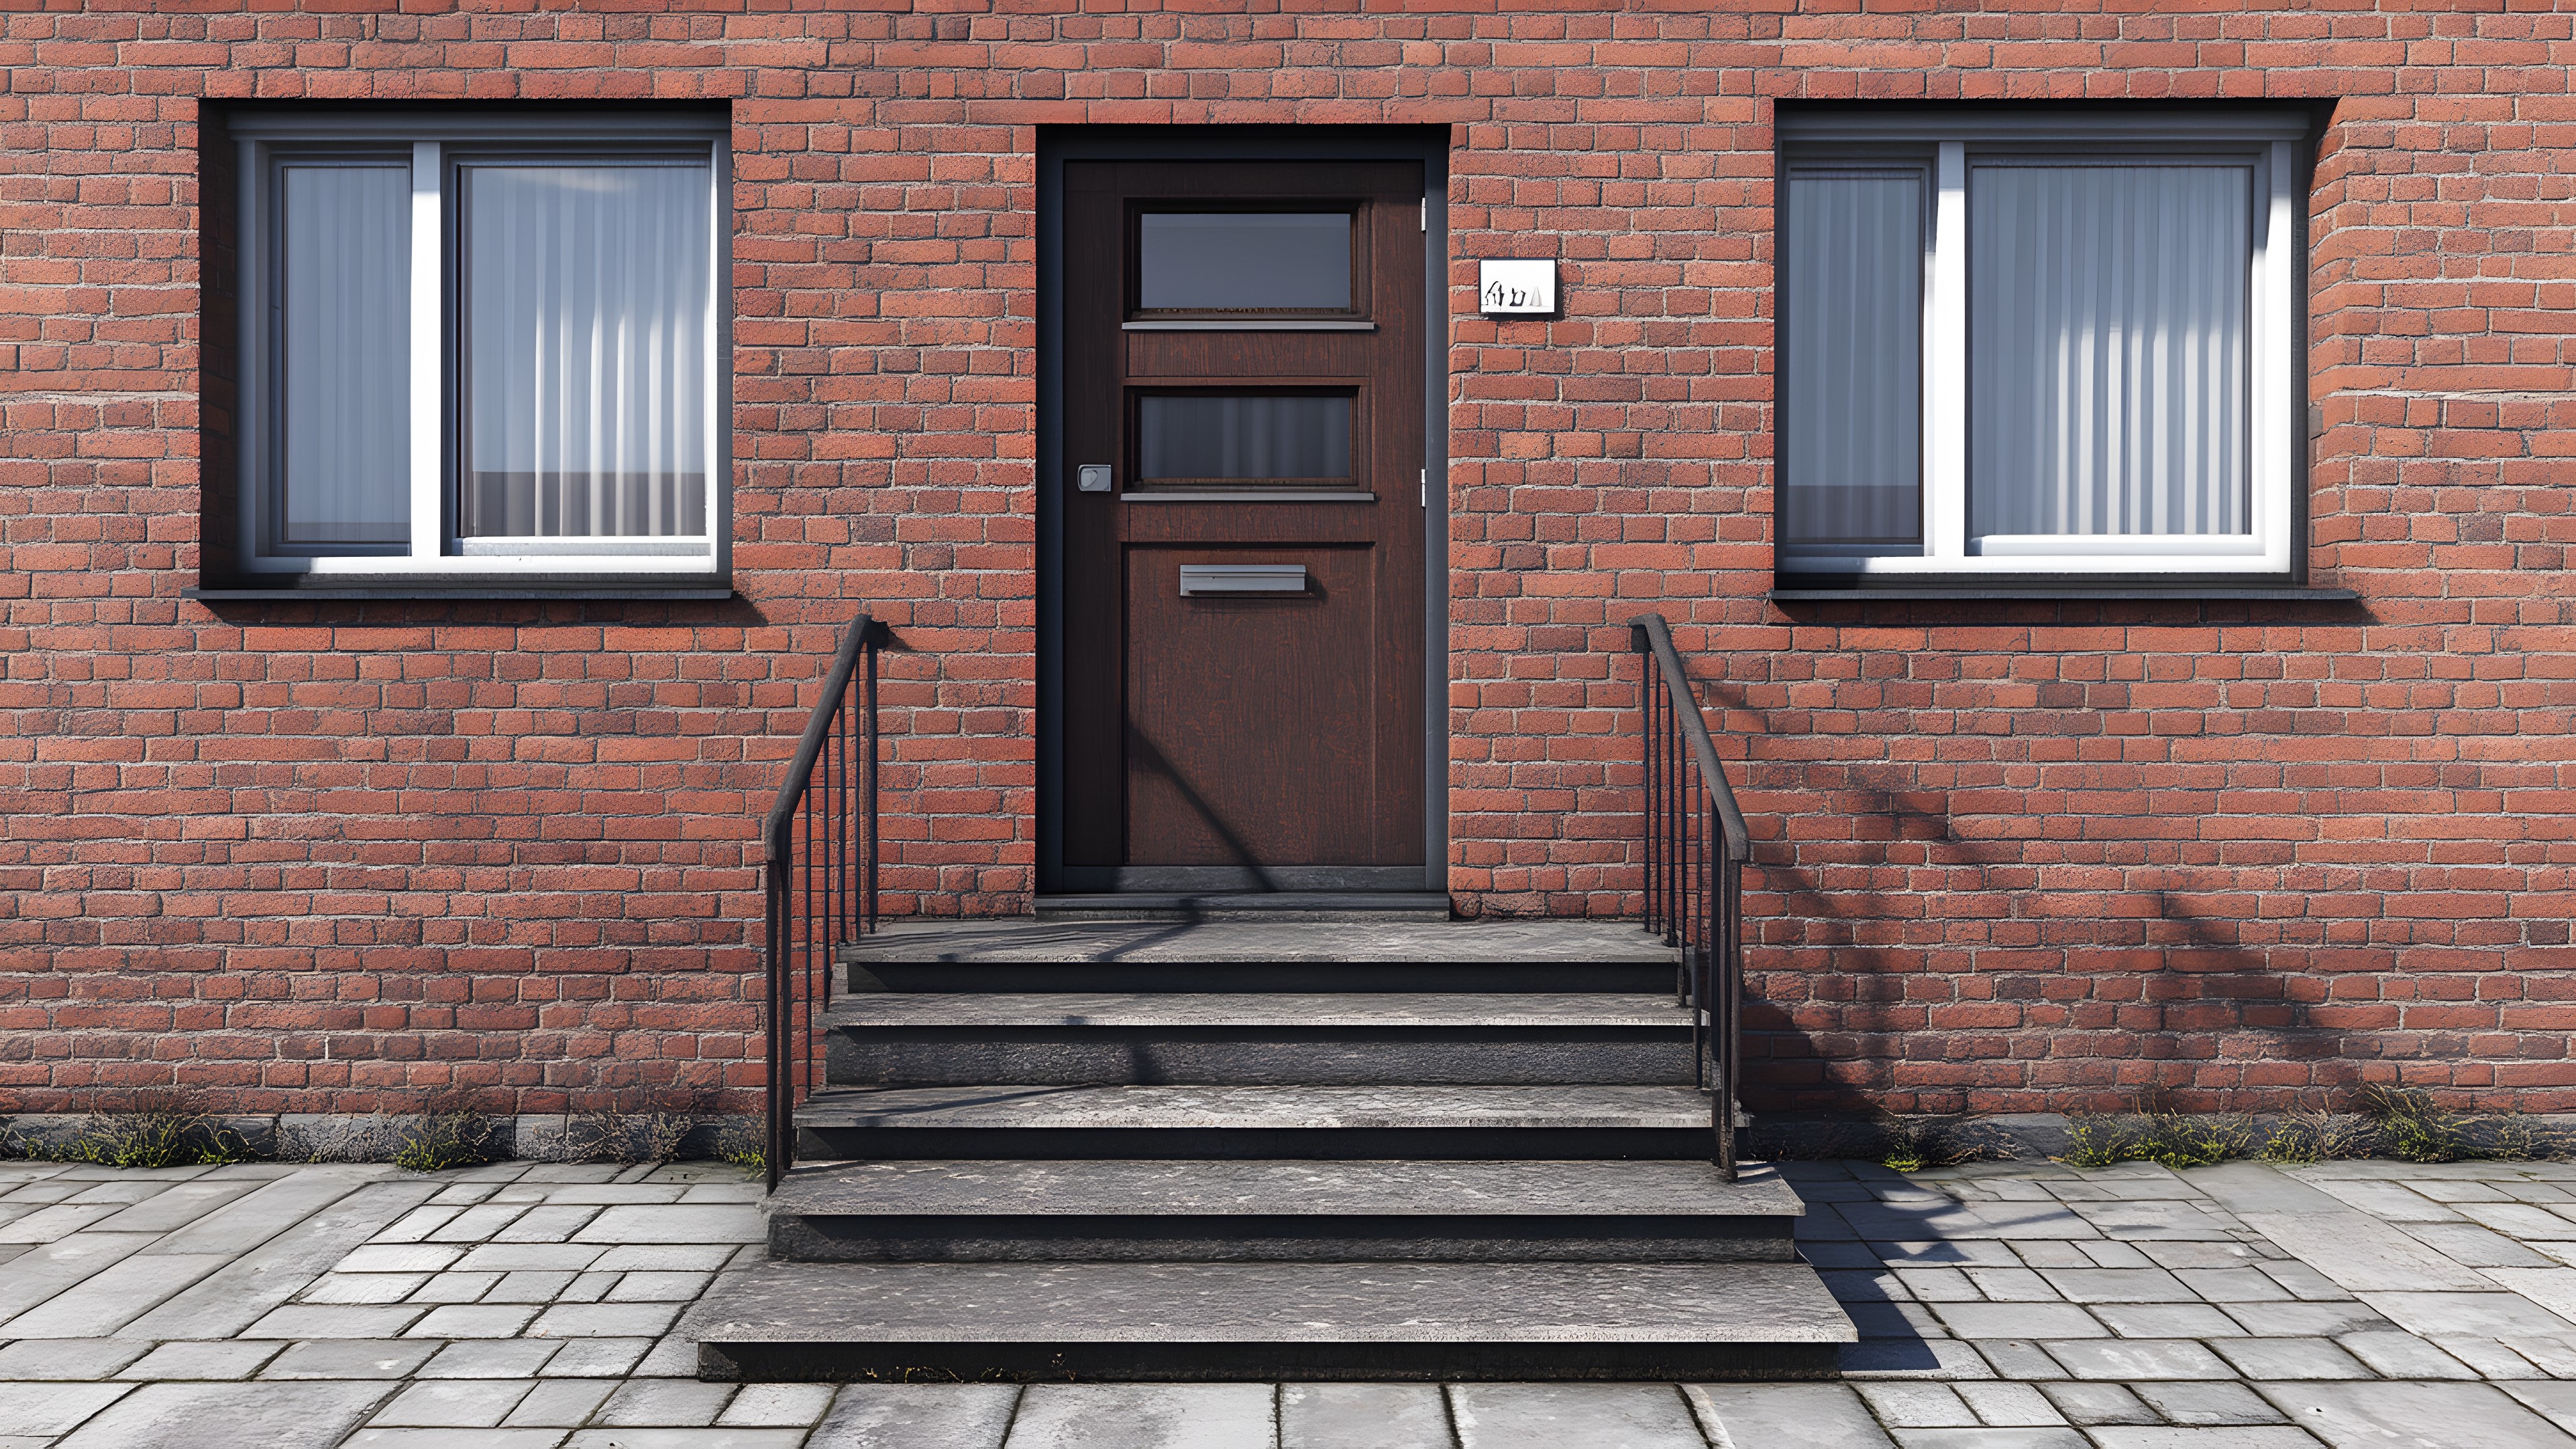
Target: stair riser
[
  {"x": 1369, "y": 1361},
  {"x": 1245, "y": 1238},
  {"x": 1461, "y": 978},
  {"x": 1108, "y": 1056},
  {"x": 1383, "y": 1144}
]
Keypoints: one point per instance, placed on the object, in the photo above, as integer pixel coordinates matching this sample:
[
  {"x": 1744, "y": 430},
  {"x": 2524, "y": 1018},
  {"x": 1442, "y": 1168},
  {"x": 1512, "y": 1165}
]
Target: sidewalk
[{"x": 2003, "y": 1306}]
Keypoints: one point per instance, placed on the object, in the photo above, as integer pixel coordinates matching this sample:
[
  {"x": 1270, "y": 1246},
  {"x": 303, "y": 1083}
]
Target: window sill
[
  {"x": 1793, "y": 593},
  {"x": 463, "y": 586}
]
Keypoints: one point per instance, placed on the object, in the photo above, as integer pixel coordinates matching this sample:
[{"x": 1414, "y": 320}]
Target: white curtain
[
  {"x": 1247, "y": 436},
  {"x": 344, "y": 339},
  {"x": 2107, "y": 349},
  {"x": 1852, "y": 394},
  {"x": 587, "y": 350}
]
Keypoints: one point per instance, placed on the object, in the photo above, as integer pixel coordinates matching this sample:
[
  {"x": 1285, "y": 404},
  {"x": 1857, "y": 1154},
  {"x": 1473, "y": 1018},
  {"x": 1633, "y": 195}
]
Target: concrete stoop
[{"x": 1370, "y": 1148}]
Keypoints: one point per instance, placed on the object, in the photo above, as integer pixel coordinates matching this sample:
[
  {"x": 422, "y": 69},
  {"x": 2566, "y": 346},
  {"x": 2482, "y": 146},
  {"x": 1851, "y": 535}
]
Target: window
[
  {"x": 2040, "y": 343},
  {"x": 482, "y": 344}
]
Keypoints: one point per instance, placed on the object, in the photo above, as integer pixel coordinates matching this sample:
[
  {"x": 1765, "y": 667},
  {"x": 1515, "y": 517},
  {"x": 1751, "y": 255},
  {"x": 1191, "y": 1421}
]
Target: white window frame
[
  {"x": 435, "y": 550},
  {"x": 2276, "y": 301}
]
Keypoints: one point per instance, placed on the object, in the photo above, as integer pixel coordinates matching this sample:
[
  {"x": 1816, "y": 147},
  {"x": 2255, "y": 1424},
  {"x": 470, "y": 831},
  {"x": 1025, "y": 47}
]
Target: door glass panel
[
  {"x": 1293, "y": 438},
  {"x": 1243, "y": 261}
]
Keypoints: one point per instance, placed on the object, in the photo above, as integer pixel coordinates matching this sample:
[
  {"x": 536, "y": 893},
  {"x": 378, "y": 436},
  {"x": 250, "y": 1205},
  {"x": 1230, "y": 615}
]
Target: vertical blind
[
  {"x": 343, "y": 334},
  {"x": 586, "y": 354},
  {"x": 1853, "y": 393},
  {"x": 2107, "y": 340}
]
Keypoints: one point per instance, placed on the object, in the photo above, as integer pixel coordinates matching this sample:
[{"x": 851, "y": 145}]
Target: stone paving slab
[{"x": 2007, "y": 1306}]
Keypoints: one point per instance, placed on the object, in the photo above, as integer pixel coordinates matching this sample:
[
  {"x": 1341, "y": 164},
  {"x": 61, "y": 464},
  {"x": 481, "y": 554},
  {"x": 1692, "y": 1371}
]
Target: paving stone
[
  {"x": 2551, "y": 1288},
  {"x": 46, "y": 1271},
  {"x": 399, "y": 1258},
  {"x": 454, "y": 1440},
  {"x": 2117, "y": 1285},
  {"x": 55, "y": 1408},
  {"x": 2011, "y": 1285},
  {"x": 730, "y": 1223},
  {"x": 2490, "y": 1358},
  {"x": 176, "y": 1206},
  {"x": 2132, "y": 1221},
  {"x": 1912, "y": 1358},
  {"x": 777, "y": 1405},
  {"x": 1916, "y": 1405},
  {"x": 531, "y": 1285},
  {"x": 2232, "y": 1285},
  {"x": 513, "y": 1257},
  {"x": 2255, "y": 1436},
  {"x": 686, "y": 1440},
  {"x": 548, "y": 1224},
  {"x": 226, "y": 1303},
  {"x": 660, "y": 1287},
  {"x": 457, "y": 1287},
  {"x": 588, "y": 1287},
  {"x": 59, "y": 1221},
  {"x": 1146, "y": 1416},
  {"x": 2010, "y": 1406},
  {"x": 453, "y": 1403},
  {"x": 2479, "y": 1315},
  {"x": 365, "y": 1287},
  {"x": 1555, "y": 1416},
  {"x": 2555, "y": 1402},
  {"x": 920, "y": 1416},
  {"x": 2205, "y": 1404},
  {"x": 2167, "y": 1320},
  {"x": 2289, "y": 1358},
  {"x": 491, "y": 1358},
  {"x": 671, "y": 1357},
  {"x": 2087, "y": 1403},
  {"x": 605, "y": 1320},
  {"x": 665, "y": 1258},
  {"x": 1894, "y": 1320},
  {"x": 2477, "y": 1247},
  {"x": 300, "y": 1320},
  {"x": 1971, "y": 1253},
  {"x": 596, "y": 1358},
  {"x": 2437, "y": 1415},
  {"x": 2554, "y": 1353},
  {"x": 1362, "y": 1416},
  {"x": 67, "y": 1358},
  {"x": 2114, "y": 1255},
  {"x": 2199, "y": 1255},
  {"x": 1851, "y": 1286},
  {"x": 564, "y": 1403},
  {"x": 2360, "y": 1253},
  {"x": 350, "y": 1359},
  {"x": 229, "y": 1416},
  {"x": 681, "y": 1402},
  {"x": 1827, "y": 1254},
  {"x": 2306, "y": 1282},
  {"x": 2307, "y": 1320},
  {"x": 2134, "y": 1359},
  {"x": 2019, "y": 1320},
  {"x": 236, "y": 1358},
  {"x": 2395, "y": 1355},
  {"x": 2522, "y": 1222},
  {"x": 274, "y": 1207},
  {"x": 2020, "y": 1360}
]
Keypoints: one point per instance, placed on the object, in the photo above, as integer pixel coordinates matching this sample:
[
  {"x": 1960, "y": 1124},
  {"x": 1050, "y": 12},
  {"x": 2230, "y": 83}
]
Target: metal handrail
[
  {"x": 831, "y": 786},
  {"x": 1696, "y": 849}
]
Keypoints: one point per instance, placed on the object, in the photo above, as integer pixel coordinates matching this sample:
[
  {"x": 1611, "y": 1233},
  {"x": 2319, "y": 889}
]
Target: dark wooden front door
[{"x": 1244, "y": 506}]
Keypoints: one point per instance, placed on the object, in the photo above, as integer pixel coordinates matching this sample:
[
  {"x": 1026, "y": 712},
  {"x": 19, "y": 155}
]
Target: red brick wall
[{"x": 2015, "y": 856}]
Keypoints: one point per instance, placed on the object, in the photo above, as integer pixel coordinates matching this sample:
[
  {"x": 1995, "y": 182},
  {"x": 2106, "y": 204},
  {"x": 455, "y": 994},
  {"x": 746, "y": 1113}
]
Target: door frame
[{"x": 1428, "y": 145}]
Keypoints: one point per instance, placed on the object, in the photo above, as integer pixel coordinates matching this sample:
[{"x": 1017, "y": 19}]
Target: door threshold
[{"x": 1244, "y": 906}]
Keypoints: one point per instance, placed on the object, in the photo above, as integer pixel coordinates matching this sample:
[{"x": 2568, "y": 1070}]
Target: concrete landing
[
  {"x": 1340, "y": 940},
  {"x": 1036, "y": 1322}
]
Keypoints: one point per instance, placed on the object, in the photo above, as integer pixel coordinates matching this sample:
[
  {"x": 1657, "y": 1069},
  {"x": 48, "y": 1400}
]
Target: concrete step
[
  {"x": 1239, "y": 1211},
  {"x": 1054, "y": 1123},
  {"x": 963, "y": 1038},
  {"x": 901, "y": 1322}
]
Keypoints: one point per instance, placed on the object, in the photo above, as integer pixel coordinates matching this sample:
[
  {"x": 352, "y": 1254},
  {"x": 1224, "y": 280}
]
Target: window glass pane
[
  {"x": 2107, "y": 349},
  {"x": 1853, "y": 391},
  {"x": 586, "y": 292},
  {"x": 1279, "y": 437},
  {"x": 344, "y": 349},
  {"x": 1244, "y": 261}
]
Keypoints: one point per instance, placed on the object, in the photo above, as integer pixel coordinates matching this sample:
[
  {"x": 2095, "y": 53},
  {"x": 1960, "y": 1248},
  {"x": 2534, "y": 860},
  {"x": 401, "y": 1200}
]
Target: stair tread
[
  {"x": 1338, "y": 941},
  {"x": 1179, "y": 1303},
  {"x": 1152, "y": 1188},
  {"x": 1256, "y": 1106},
  {"x": 1263, "y": 1010}
]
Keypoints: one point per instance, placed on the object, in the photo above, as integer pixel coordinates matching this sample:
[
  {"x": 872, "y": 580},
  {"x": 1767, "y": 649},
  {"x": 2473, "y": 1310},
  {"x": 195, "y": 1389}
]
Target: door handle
[{"x": 1198, "y": 579}]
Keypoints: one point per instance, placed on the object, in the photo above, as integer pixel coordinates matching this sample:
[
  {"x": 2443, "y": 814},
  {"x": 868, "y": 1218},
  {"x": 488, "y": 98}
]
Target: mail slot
[{"x": 1199, "y": 579}]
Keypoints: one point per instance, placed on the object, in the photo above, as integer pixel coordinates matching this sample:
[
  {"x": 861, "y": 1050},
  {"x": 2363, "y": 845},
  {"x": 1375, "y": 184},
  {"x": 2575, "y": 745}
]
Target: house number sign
[{"x": 1516, "y": 289}]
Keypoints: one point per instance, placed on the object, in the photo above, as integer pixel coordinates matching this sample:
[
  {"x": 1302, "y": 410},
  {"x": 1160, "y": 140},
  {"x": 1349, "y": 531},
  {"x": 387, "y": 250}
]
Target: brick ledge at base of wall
[{"x": 374, "y": 1137}]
